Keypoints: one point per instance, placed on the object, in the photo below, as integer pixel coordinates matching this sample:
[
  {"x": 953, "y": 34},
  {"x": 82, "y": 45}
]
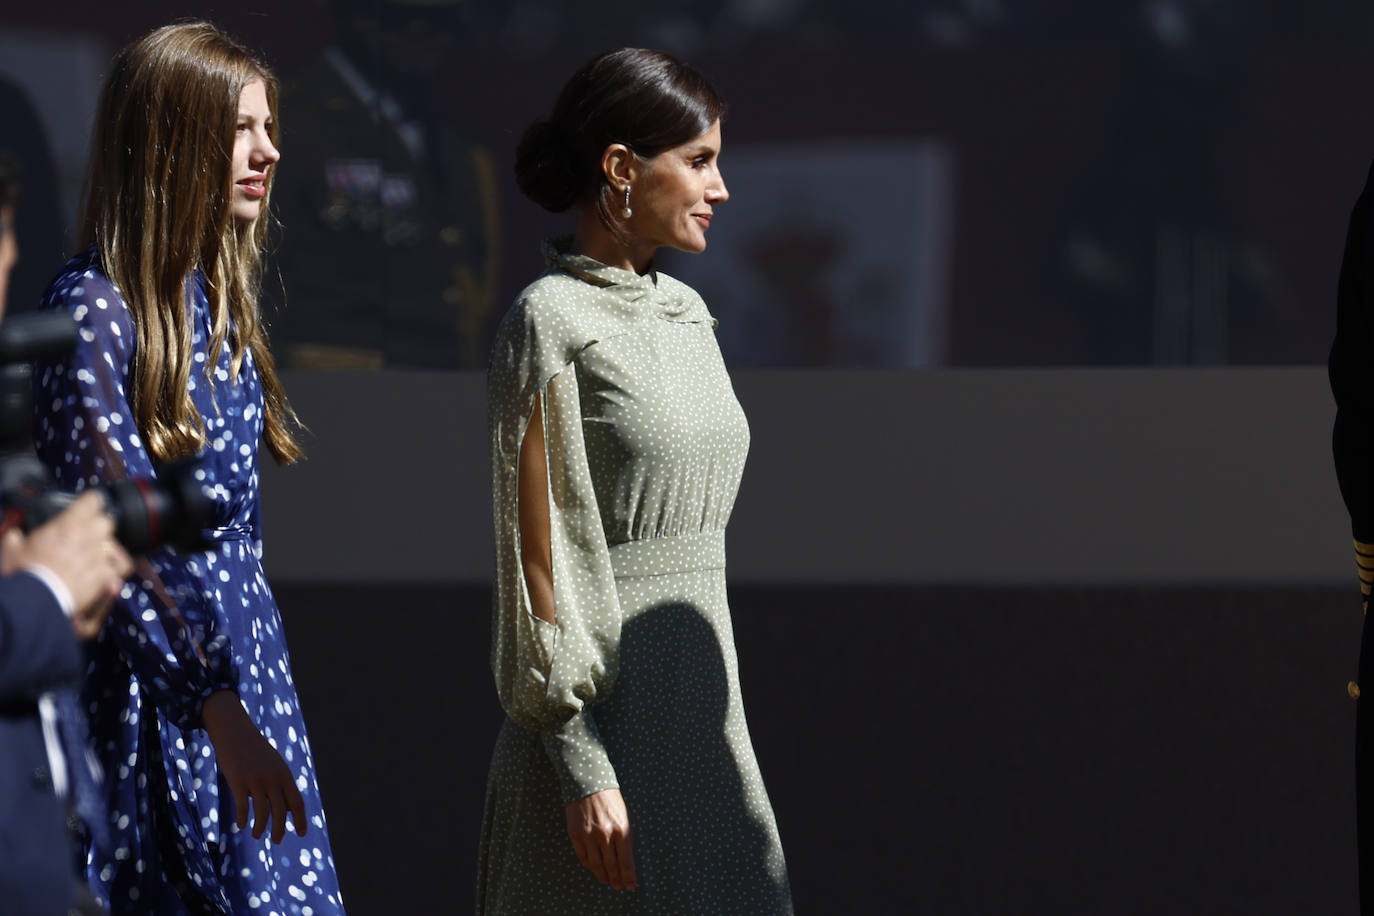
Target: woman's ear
[{"x": 619, "y": 165}]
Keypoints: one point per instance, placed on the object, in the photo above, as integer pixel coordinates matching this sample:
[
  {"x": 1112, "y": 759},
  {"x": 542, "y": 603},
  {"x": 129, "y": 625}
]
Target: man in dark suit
[
  {"x": 56, "y": 586},
  {"x": 1351, "y": 369}
]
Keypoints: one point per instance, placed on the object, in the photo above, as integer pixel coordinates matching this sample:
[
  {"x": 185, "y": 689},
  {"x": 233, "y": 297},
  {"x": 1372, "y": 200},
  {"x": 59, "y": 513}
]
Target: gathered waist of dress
[
  {"x": 666, "y": 555},
  {"x": 228, "y": 533}
]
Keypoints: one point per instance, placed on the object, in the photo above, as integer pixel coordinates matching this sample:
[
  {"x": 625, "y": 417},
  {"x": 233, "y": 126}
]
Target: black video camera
[{"x": 171, "y": 509}]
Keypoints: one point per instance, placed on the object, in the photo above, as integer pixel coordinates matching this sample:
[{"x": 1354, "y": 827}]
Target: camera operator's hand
[
  {"x": 252, "y": 768},
  {"x": 78, "y": 546}
]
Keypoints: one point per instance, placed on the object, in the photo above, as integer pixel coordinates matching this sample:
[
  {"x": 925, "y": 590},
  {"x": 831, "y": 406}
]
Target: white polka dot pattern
[
  {"x": 172, "y": 823},
  {"x": 645, "y": 444}
]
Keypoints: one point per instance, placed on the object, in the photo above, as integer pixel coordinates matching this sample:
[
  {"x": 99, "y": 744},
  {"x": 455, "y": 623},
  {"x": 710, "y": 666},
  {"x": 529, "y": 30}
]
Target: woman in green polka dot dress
[{"x": 623, "y": 779}]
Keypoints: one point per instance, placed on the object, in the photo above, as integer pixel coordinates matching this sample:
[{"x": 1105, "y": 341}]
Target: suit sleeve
[
  {"x": 1351, "y": 369},
  {"x": 37, "y": 648}
]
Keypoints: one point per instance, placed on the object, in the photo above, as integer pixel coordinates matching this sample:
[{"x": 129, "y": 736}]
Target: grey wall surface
[
  {"x": 1011, "y": 642},
  {"x": 992, "y": 477}
]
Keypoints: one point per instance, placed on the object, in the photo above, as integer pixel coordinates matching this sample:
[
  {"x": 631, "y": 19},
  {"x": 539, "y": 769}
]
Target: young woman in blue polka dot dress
[
  {"x": 623, "y": 780},
  {"x": 194, "y": 719}
]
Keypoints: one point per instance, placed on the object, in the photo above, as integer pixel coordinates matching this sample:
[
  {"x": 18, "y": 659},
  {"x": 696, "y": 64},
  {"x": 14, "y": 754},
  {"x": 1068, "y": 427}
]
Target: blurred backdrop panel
[
  {"x": 815, "y": 274},
  {"x": 1129, "y": 182},
  {"x": 49, "y": 82}
]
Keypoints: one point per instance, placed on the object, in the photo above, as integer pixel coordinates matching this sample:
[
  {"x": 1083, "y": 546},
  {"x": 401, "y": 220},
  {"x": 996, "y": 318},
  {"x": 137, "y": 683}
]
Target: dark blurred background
[
  {"x": 1062, "y": 627},
  {"x": 975, "y": 183}
]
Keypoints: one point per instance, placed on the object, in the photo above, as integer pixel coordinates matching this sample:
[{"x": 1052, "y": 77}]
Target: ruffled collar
[{"x": 669, "y": 300}]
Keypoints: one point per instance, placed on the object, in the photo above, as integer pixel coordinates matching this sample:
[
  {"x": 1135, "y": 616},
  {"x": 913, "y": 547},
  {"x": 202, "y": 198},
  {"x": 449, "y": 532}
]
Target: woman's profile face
[
  {"x": 253, "y": 154},
  {"x": 673, "y": 199}
]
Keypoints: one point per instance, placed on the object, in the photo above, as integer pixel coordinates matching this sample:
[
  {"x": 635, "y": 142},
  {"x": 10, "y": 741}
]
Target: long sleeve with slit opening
[
  {"x": 558, "y": 344},
  {"x": 548, "y": 674}
]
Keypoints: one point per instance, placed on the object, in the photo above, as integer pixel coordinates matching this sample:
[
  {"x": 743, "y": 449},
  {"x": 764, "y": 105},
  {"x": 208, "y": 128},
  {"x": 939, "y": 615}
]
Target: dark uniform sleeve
[
  {"x": 1351, "y": 369},
  {"x": 38, "y": 650}
]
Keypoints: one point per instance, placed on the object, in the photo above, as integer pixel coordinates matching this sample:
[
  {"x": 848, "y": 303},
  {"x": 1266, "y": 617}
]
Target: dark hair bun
[
  {"x": 544, "y": 167},
  {"x": 644, "y": 99}
]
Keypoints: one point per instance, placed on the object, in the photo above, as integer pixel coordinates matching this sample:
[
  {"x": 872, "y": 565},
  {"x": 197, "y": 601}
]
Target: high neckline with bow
[{"x": 670, "y": 299}]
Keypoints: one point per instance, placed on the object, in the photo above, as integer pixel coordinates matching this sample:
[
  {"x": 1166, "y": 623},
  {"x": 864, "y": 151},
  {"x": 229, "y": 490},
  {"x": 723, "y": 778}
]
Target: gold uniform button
[{"x": 1353, "y": 689}]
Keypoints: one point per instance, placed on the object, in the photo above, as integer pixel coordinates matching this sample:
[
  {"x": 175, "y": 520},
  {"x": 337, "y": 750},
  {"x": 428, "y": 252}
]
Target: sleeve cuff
[
  {"x": 53, "y": 581},
  {"x": 579, "y": 758}
]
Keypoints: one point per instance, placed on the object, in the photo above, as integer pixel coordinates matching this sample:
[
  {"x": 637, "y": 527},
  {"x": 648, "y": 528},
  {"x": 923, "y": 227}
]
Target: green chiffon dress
[{"x": 636, "y": 686}]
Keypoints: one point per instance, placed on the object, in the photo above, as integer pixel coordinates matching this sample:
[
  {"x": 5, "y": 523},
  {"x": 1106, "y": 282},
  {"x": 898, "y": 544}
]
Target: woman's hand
[
  {"x": 599, "y": 826},
  {"x": 252, "y": 768}
]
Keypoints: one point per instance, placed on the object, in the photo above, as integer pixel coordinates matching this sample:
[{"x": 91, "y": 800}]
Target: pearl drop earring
[{"x": 627, "y": 212}]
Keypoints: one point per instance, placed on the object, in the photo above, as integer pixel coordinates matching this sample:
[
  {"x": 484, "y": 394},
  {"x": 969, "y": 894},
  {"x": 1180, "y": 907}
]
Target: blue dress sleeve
[{"x": 85, "y": 433}]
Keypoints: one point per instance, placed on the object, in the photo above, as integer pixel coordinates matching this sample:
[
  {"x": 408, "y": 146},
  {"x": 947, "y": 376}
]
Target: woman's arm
[
  {"x": 536, "y": 551},
  {"x": 85, "y": 433},
  {"x": 598, "y": 824}
]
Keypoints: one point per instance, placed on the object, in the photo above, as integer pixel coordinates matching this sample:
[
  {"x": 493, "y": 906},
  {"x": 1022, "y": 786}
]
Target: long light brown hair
[{"x": 158, "y": 208}]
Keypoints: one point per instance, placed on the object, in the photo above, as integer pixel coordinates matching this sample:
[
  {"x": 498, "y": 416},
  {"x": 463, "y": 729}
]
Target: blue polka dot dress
[{"x": 173, "y": 845}]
